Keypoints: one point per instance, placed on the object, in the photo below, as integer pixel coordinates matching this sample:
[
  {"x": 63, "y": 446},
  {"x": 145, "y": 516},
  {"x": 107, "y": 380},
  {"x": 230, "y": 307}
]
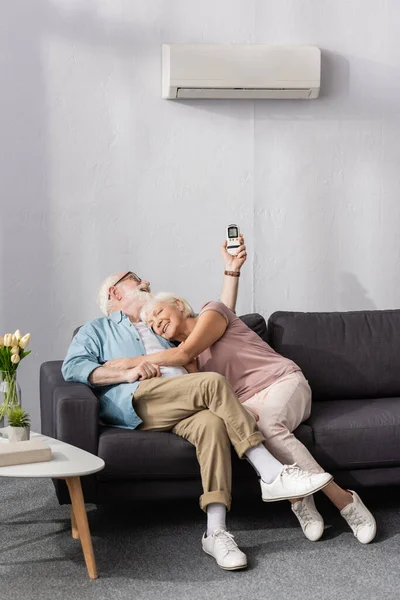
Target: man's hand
[
  {"x": 144, "y": 371},
  {"x": 234, "y": 263},
  {"x": 110, "y": 376},
  {"x": 120, "y": 364}
]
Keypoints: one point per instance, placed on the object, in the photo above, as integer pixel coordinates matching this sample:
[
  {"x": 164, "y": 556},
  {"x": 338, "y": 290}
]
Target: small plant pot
[{"x": 18, "y": 434}]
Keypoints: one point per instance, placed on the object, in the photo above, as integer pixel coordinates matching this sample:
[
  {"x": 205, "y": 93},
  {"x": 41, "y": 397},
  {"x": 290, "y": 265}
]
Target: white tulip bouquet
[{"x": 12, "y": 351}]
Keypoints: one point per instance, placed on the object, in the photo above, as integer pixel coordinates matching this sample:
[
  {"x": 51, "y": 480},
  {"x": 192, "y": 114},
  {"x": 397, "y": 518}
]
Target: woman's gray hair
[
  {"x": 103, "y": 301},
  {"x": 169, "y": 299}
]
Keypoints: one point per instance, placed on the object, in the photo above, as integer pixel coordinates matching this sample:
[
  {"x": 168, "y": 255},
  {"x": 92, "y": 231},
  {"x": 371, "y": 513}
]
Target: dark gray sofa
[{"x": 352, "y": 362}]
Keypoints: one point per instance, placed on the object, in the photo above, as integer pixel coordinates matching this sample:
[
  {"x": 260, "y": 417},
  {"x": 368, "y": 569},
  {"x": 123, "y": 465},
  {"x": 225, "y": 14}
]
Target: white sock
[
  {"x": 216, "y": 517},
  {"x": 263, "y": 462}
]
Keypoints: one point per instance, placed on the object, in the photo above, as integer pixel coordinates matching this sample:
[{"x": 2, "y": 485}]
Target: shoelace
[
  {"x": 226, "y": 539},
  {"x": 294, "y": 472},
  {"x": 355, "y": 518},
  {"x": 304, "y": 514}
]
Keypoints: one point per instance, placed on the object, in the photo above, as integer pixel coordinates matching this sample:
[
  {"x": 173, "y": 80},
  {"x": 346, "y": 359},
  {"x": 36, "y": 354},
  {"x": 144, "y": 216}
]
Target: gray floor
[{"x": 157, "y": 553}]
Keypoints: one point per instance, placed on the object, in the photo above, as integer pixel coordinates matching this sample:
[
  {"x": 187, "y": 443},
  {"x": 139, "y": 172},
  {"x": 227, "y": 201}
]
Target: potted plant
[
  {"x": 12, "y": 351},
  {"x": 18, "y": 425}
]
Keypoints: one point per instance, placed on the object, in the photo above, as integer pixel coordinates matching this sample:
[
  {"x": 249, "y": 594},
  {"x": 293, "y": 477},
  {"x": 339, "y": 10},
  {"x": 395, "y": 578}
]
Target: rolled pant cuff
[
  {"x": 255, "y": 439},
  {"x": 215, "y": 497}
]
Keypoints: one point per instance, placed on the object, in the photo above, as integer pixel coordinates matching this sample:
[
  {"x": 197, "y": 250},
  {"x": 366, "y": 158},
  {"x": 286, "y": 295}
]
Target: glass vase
[{"x": 10, "y": 393}]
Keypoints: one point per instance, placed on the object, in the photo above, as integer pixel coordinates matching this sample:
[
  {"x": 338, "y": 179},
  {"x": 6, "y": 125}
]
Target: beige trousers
[
  {"x": 279, "y": 409},
  {"x": 203, "y": 409}
]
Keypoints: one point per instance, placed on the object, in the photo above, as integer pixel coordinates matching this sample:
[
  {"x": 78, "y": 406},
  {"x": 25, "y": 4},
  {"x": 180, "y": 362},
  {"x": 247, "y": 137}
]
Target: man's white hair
[
  {"x": 104, "y": 303},
  {"x": 169, "y": 299}
]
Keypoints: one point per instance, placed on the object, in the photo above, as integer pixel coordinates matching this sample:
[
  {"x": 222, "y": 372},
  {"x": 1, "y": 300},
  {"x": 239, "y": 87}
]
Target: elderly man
[{"x": 201, "y": 407}]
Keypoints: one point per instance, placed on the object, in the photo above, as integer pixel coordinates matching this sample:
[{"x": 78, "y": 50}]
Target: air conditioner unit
[{"x": 240, "y": 71}]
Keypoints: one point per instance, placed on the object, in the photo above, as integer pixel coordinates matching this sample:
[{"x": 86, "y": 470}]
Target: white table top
[{"x": 67, "y": 461}]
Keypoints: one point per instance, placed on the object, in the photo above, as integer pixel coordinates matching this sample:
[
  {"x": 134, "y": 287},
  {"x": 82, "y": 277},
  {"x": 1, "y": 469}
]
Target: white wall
[{"x": 99, "y": 174}]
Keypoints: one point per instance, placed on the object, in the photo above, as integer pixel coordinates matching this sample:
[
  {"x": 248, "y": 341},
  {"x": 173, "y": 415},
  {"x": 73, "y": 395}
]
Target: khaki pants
[
  {"x": 203, "y": 409},
  {"x": 279, "y": 410}
]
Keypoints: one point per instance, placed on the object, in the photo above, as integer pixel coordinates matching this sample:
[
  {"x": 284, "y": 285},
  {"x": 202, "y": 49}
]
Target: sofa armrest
[{"x": 69, "y": 411}]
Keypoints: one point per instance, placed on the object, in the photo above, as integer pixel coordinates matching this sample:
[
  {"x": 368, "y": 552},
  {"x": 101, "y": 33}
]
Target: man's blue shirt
[{"x": 97, "y": 342}]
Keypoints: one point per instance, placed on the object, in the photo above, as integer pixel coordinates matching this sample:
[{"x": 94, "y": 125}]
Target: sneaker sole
[
  {"x": 367, "y": 541},
  {"x": 321, "y": 487},
  {"x": 312, "y": 539},
  {"x": 225, "y": 568}
]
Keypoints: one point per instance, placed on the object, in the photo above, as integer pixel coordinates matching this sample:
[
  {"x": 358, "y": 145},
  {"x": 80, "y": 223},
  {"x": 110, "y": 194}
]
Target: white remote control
[{"x": 232, "y": 238}]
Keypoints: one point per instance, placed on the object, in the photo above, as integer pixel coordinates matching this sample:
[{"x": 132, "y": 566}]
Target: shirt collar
[{"x": 117, "y": 316}]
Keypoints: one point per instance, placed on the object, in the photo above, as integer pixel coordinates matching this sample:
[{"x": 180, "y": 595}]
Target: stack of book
[{"x": 20, "y": 453}]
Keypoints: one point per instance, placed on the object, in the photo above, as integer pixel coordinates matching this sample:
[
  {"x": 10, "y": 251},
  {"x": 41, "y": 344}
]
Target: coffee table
[{"x": 68, "y": 463}]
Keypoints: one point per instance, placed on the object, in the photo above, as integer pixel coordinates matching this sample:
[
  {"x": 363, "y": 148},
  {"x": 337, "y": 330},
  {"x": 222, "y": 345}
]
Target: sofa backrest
[
  {"x": 257, "y": 323},
  {"x": 344, "y": 355}
]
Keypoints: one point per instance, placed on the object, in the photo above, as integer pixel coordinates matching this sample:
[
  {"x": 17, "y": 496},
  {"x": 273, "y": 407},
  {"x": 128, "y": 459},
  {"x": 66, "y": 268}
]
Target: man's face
[{"x": 129, "y": 292}]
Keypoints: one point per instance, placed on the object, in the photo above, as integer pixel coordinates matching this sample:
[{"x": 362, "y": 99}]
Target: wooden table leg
[
  {"x": 74, "y": 528},
  {"x": 80, "y": 517}
]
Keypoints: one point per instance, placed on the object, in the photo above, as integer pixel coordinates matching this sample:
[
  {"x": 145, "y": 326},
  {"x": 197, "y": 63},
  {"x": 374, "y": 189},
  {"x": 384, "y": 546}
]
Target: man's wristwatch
[{"x": 232, "y": 273}]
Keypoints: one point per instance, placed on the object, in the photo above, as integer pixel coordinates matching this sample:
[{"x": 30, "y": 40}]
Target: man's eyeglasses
[{"x": 128, "y": 274}]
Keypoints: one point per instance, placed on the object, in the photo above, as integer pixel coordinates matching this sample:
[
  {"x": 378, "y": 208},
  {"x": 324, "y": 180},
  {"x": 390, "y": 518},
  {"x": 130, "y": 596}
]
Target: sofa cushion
[
  {"x": 343, "y": 355},
  {"x": 354, "y": 434},
  {"x": 155, "y": 455},
  {"x": 135, "y": 454}
]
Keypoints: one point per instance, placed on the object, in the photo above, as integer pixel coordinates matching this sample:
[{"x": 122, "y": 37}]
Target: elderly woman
[{"x": 271, "y": 387}]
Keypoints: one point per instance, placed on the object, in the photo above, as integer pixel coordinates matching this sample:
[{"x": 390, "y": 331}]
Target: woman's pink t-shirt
[{"x": 246, "y": 361}]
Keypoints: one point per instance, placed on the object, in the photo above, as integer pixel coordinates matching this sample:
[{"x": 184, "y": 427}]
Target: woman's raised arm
[{"x": 230, "y": 283}]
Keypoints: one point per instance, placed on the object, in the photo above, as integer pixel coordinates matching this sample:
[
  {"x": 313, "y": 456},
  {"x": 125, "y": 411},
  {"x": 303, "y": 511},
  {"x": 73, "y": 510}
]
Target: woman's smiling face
[{"x": 166, "y": 319}]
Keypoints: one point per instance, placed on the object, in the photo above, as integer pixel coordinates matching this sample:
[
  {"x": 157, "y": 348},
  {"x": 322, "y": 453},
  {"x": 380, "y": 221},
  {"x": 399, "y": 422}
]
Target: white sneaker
[
  {"x": 293, "y": 482},
  {"x": 309, "y": 518},
  {"x": 359, "y": 519},
  {"x": 222, "y": 546}
]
